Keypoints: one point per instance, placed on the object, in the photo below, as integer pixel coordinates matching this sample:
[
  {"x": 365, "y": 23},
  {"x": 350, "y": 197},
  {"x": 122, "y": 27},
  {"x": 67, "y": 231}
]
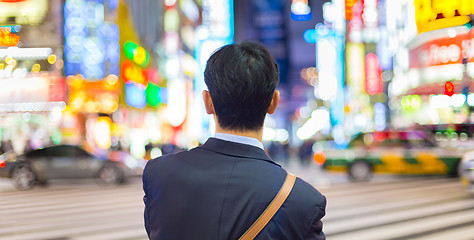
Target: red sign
[
  {"x": 443, "y": 51},
  {"x": 373, "y": 74},
  {"x": 449, "y": 88},
  {"x": 12, "y": 1},
  {"x": 131, "y": 73}
]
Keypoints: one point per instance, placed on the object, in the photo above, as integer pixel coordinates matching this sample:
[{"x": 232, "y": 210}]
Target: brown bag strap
[{"x": 271, "y": 209}]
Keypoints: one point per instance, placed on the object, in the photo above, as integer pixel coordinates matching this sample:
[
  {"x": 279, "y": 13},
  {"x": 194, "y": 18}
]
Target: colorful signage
[
  {"x": 373, "y": 74},
  {"x": 300, "y": 10},
  {"x": 348, "y": 8},
  {"x": 86, "y": 96},
  {"x": 135, "y": 95},
  {"x": 10, "y": 28},
  {"x": 309, "y": 35},
  {"x": 8, "y": 35},
  {"x": 91, "y": 46},
  {"x": 379, "y": 116},
  {"x": 449, "y": 88},
  {"x": 136, "y": 53},
  {"x": 153, "y": 76},
  {"x": 153, "y": 95},
  {"x": 131, "y": 73},
  {"x": 443, "y": 51},
  {"x": 102, "y": 132},
  {"x": 138, "y": 91},
  {"x": 355, "y": 67},
  {"x": 32, "y": 90},
  {"x": 9, "y": 39},
  {"x": 218, "y": 18},
  {"x": 355, "y": 24},
  {"x": 436, "y": 14},
  {"x": 331, "y": 78}
]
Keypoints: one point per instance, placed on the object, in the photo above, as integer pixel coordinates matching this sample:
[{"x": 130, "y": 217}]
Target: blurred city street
[
  {"x": 376, "y": 109},
  {"x": 387, "y": 207}
]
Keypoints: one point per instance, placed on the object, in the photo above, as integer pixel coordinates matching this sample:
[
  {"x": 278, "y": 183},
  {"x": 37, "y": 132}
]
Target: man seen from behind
[{"x": 216, "y": 191}]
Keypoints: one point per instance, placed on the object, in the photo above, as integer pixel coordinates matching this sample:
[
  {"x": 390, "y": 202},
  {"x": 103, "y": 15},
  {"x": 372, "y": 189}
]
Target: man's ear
[
  {"x": 274, "y": 103},
  {"x": 206, "y": 96}
]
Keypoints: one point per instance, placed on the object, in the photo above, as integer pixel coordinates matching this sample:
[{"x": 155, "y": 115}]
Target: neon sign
[
  {"x": 10, "y": 28},
  {"x": 449, "y": 88},
  {"x": 373, "y": 78},
  {"x": 443, "y": 51},
  {"x": 436, "y": 14},
  {"x": 135, "y": 96},
  {"x": 136, "y": 53},
  {"x": 300, "y": 10},
  {"x": 131, "y": 73},
  {"x": 9, "y": 39},
  {"x": 348, "y": 8},
  {"x": 8, "y": 36}
]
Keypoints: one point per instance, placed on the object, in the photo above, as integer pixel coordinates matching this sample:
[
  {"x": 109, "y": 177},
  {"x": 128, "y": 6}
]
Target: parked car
[
  {"x": 466, "y": 169},
  {"x": 64, "y": 162},
  {"x": 397, "y": 152}
]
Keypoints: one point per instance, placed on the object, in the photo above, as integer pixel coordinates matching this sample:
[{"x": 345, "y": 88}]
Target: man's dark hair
[{"x": 241, "y": 79}]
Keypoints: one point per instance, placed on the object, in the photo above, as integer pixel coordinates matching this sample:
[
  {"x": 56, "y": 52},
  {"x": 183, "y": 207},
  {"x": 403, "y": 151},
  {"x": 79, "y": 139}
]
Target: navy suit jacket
[{"x": 217, "y": 190}]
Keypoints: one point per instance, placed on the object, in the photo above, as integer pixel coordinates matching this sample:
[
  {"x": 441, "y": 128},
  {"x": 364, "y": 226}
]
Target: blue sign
[
  {"x": 135, "y": 95},
  {"x": 309, "y": 35},
  {"x": 91, "y": 46},
  {"x": 305, "y": 17}
]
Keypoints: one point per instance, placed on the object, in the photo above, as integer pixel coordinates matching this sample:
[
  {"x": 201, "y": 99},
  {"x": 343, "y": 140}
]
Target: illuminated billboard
[
  {"x": 27, "y": 12},
  {"x": 436, "y": 14},
  {"x": 91, "y": 45}
]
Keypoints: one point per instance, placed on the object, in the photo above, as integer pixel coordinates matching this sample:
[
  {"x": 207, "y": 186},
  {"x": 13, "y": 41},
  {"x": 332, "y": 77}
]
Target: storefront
[
  {"x": 31, "y": 81},
  {"x": 30, "y": 112},
  {"x": 436, "y": 85}
]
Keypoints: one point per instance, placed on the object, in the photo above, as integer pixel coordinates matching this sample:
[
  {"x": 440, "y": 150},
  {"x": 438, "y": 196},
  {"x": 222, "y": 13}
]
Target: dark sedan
[{"x": 64, "y": 162}]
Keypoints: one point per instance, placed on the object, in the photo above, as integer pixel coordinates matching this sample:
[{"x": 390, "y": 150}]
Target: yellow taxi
[{"x": 397, "y": 152}]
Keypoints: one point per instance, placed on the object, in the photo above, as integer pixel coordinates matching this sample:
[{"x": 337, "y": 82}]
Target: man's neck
[{"x": 253, "y": 134}]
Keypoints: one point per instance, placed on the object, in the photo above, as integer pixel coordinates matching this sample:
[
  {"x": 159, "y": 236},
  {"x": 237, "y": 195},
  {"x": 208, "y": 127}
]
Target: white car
[{"x": 466, "y": 168}]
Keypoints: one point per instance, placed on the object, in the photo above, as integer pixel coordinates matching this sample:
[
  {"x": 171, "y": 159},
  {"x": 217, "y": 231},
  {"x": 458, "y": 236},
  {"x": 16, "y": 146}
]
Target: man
[{"x": 217, "y": 190}]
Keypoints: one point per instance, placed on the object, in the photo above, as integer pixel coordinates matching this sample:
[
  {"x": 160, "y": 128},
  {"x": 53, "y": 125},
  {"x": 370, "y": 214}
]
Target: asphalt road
[{"x": 389, "y": 207}]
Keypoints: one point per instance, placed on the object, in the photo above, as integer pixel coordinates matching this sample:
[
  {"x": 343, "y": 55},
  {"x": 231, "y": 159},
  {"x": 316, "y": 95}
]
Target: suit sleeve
[
  {"x": 145, "y": 215},
  {"x": 315, "y": 231}
]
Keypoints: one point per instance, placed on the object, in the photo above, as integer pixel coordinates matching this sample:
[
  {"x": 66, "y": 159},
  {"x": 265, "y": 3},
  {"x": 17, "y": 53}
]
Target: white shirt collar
[{"x": 239, "y": 139}]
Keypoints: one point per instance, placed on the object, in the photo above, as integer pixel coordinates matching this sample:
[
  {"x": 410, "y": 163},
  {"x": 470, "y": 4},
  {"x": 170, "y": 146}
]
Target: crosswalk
[
  {"x": 394, "y": 208},
  {"x": 406, "y": 208},
  {"x": 73, "y": 212}
]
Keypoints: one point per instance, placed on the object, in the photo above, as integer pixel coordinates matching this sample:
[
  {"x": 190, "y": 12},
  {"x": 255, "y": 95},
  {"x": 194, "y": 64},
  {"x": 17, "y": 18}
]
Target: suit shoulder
[
  {"x": 306, "y": 190},
  {"x": 168, "y": 158},
  {"x": 163, "y": 159}
]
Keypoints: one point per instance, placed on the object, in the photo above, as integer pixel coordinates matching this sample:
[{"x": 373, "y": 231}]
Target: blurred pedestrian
[
  {"x": 306, "y": 152},
  {"x": 219, "y": 189},
  {"x": 279, "y": 152}
]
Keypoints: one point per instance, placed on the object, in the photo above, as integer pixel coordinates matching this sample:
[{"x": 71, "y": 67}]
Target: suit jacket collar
[{"x": 236, "y": 149}]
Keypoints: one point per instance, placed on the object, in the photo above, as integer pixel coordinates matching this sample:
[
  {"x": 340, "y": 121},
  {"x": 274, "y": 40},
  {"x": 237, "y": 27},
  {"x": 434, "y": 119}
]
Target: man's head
[{"x": 241, "y": 79}]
